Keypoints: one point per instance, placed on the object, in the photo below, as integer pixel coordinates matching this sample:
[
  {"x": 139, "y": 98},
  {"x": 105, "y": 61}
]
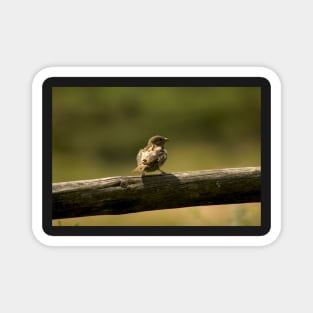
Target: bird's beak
[{"x": 166, "y": 139}]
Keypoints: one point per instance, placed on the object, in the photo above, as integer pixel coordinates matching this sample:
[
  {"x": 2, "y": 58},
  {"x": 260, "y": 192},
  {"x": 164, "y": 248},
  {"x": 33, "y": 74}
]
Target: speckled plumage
[{"x": 152, "y": 156}]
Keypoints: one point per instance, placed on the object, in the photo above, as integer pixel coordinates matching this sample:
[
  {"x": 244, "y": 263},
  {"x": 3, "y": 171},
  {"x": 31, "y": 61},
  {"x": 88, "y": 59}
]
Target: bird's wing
[
  {"x": 149, "y": 157},
  {"x": 145, "y": 158}
]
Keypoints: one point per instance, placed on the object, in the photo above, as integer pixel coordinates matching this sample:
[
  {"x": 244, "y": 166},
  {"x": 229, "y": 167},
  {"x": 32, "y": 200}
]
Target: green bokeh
[{"x": 97, "y": 131}]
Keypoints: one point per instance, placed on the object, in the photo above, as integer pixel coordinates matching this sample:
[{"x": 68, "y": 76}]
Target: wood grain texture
[{"x": 129, "y": 194}]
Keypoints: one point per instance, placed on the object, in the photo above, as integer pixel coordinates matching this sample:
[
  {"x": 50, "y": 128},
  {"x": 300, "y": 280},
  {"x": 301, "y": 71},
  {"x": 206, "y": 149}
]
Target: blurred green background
[{"x": 97, "y": 132}]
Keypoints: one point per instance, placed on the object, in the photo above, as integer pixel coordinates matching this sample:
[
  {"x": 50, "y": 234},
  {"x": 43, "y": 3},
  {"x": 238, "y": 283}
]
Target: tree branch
[{"x": 129, "y": 194}]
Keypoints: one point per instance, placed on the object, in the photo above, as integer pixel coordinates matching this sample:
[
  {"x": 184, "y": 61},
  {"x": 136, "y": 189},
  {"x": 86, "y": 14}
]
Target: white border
[{"x": 158, "y": 240}]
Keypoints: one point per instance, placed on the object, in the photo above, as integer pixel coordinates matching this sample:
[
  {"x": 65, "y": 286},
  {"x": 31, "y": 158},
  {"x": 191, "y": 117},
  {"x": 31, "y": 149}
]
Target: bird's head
[{"x": 158, "y": 140}]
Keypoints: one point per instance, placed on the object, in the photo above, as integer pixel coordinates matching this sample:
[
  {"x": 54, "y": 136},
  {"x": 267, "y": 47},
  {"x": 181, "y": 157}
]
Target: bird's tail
[{"x": 140, "y": 168}]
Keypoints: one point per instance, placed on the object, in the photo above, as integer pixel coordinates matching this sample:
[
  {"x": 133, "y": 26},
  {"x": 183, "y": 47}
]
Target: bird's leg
[{"x": 162, "y": 172}]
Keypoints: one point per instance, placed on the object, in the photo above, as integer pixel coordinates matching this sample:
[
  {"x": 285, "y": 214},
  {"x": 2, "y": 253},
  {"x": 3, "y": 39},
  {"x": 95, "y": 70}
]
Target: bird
[{"x": 152, "y": 156}]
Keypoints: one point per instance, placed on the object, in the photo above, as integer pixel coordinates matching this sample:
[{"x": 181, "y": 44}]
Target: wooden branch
[{"x": 129, "y": 194}]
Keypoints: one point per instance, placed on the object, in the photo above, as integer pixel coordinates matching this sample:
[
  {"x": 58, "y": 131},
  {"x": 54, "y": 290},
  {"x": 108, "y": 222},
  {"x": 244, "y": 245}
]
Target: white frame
[{"x": 156, "y": 240}]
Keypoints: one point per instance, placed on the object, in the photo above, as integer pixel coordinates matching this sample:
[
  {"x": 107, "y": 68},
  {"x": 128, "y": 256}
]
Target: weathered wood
[{"x": 129, "y": 194}]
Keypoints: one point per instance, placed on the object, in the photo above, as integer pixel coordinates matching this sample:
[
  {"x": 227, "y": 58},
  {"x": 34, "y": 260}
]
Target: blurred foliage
[{"x": 97, "y": 132}]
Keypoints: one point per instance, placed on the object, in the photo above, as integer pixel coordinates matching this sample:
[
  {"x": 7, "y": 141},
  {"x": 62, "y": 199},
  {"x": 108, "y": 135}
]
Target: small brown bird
[{"x": 152, "y": 156}]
